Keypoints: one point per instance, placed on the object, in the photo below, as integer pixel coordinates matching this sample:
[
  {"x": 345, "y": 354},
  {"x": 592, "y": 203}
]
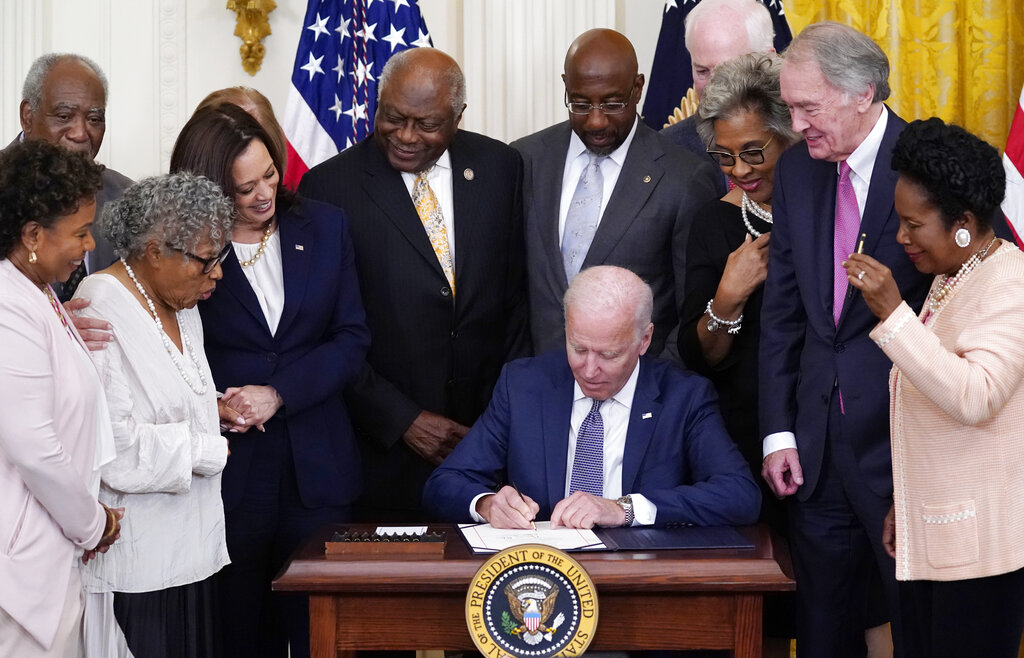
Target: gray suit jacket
[
  {"x": 644, "y": 227},
  {"x": 114, "y": 184}
]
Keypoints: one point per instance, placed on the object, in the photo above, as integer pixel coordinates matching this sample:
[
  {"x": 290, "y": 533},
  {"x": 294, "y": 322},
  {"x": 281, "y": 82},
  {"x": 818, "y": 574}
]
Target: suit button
[
  {"x": 839, "y": 348},
  {"x": 271, "y": 356},
  {"x": 455, "y": 335},
  {"x": 450, "y": 383},
  {"x": 446, "y": 291}
]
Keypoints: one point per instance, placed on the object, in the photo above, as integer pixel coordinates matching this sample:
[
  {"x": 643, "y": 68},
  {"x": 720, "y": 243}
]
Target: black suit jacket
[
  {"x": 684, "y": 133},
  {"x": 430, "y": 350},
  {"x": 644, "y": 228}
]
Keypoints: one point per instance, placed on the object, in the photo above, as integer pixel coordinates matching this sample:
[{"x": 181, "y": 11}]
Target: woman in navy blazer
[{"x": 284, "y": 334}]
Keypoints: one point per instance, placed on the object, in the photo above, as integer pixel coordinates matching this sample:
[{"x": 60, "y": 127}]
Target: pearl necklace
[
  {"x": 941, "y": 295},
  {"x": 261, "y": 248},
  {"x": 745, "y": 205},
  {"x": 171, "y": 351}
]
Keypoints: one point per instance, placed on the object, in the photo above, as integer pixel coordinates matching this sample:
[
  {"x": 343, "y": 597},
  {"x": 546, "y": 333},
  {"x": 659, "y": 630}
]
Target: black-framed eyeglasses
[
  {"x": 609, "y": 107},
  {"x": 750, "y": 156},
  {"x": 208, "y": 263}
]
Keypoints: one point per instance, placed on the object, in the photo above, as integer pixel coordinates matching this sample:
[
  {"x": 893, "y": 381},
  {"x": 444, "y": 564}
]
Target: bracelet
[
  {"x": 113, "y": 524},
  {"x": 716, "y": 323}
]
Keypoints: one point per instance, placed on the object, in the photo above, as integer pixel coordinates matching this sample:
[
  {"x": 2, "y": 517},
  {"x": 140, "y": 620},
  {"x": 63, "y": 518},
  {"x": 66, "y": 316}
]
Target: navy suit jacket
[
  {"x": 644, "y": 228},
  {"x": 677, "y": 451},
  {"x": 803, "y": 353},
  {"x": 431, "y": 350},
  {"x": 319, "y": 346}
]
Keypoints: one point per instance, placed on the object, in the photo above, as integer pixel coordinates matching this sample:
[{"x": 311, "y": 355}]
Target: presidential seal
[{"x": 531, "y": 601}]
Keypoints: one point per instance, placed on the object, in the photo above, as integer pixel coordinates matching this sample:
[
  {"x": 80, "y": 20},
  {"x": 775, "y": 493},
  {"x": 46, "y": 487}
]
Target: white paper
[{"x": 484, "y": 538}]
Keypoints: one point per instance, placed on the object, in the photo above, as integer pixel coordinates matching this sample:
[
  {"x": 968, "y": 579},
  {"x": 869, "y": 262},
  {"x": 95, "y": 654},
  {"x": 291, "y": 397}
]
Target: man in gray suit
[
  {"x": 64, "y": 102},
  {"x": 605, "y": 189},
  {"x": 712, "y": 36}
]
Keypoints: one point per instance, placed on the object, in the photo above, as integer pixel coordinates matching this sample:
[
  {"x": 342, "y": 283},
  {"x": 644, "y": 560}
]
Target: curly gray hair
[
  {"x": 849, "y": 60},
  {"x": 749, "y": 82},
  {"x": 452, "y": 76},
  {"x": 32, "y": 90},
  {"x": 177, "y": 210}
]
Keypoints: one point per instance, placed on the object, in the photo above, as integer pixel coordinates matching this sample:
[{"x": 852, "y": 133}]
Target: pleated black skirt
[{"x": 179, "y": 622}]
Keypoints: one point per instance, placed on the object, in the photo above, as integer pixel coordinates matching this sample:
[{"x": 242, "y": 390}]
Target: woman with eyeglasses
[
  {"x": 171, "y": 234},
  {"x": 746, "y": 126},
  {"x": 285, "y": 333}
]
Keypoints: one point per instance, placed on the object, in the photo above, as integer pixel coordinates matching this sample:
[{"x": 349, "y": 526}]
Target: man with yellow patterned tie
[{"x": 436, "y": 220}]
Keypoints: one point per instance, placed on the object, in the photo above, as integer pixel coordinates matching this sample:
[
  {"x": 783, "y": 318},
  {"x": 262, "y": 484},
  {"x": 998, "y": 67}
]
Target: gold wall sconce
[{"x": 252, "y": 25}]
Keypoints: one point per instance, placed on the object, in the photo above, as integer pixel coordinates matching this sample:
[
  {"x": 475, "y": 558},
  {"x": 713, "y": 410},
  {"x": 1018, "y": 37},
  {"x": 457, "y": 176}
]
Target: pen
[
  {"x": 532, "y": 524},
  {"x": 860, "y": 243}
]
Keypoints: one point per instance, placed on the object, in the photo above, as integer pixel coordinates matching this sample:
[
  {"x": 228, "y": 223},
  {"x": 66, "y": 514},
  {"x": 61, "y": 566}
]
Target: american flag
[
  {"x": 1013, "y": 163},
  {"x": 333, "y": 95}
]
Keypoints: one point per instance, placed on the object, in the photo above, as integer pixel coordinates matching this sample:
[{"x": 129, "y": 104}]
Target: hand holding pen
[{"x": 508, "y": 508}]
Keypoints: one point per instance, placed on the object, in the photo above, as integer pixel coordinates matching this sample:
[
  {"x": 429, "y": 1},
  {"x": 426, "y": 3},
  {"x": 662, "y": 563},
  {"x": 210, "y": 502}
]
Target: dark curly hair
[
  {"x": 41, "y": 182},
  {"x": 957, "y": 171}
]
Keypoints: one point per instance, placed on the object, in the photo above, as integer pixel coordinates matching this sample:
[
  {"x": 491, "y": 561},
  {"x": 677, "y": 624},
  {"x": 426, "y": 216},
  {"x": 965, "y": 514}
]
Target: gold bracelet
[{"x": 113, "y": 524}]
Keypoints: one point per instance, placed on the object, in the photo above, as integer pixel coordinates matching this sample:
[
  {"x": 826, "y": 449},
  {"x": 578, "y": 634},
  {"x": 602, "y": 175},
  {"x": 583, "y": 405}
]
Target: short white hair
[
  {"x": 757, "y": 20},
  {"x": 607, "y": 289}
]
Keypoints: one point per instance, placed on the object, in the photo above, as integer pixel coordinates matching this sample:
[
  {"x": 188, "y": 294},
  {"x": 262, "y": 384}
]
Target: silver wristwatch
[{"x": 626, "y": 503}]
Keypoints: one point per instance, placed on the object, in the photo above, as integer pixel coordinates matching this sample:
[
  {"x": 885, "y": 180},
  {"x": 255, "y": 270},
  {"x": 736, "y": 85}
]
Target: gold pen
[
  {"x": 860, "y": 243},
  {"x": 532, "y": 524}
]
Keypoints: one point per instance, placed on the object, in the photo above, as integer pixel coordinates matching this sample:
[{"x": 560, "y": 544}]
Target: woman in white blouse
[{"x": 171, "y": 233}]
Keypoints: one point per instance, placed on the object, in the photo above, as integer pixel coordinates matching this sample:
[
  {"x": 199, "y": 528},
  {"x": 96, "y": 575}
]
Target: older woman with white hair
[{"x": 171, "y": 234}]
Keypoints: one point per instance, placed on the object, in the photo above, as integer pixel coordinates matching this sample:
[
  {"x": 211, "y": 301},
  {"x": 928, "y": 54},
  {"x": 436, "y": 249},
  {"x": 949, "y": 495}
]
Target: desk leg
[
  {"x": 323, "y": 628},
  {"x": 748, "y": 626}
]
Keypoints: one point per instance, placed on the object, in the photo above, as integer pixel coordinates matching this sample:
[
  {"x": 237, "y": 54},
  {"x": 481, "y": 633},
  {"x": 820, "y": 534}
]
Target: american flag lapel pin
[
  {"x": 647, "y": 414},
  {"x": 299, "y": 247}
]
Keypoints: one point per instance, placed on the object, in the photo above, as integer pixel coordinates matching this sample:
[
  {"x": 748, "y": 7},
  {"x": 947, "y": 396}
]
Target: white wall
[{"x": 163, "y": 56}]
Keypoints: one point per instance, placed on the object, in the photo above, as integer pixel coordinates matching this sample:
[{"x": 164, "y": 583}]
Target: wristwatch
[{"x": 626, "y": 503}]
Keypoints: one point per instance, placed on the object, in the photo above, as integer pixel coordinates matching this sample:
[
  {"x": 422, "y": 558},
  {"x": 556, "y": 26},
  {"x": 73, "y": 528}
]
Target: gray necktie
[{"x": 583, "y": 216}]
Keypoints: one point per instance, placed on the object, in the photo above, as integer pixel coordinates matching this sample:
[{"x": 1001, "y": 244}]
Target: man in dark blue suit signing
[{"x": 595, "y": 434}]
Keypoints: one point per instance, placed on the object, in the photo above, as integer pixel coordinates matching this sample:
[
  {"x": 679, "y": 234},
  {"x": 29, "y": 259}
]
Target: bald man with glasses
[{"x": 604, "y": 189}]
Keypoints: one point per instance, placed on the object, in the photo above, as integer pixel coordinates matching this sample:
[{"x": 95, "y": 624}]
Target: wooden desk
[{"x": 707, "y": 599}]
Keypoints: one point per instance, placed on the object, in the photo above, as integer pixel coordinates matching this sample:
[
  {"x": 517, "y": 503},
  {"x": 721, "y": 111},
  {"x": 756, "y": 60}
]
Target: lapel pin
[
  {"x": 299, "y": 247},
  {"x": 647, "y": 415},
  {"x": 468, "y": 173},
  {"x": 647, "y": 179}
]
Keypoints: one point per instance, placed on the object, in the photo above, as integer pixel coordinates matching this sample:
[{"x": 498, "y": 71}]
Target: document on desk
[{"x": 484, "y": 538}]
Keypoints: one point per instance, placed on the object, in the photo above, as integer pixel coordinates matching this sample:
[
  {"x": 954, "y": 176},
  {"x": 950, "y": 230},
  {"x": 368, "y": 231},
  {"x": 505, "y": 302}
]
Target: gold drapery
[{"x": 960, "y": 60}]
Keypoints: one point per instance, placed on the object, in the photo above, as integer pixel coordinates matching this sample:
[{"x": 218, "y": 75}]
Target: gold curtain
[{"x": 960, "y": 60}]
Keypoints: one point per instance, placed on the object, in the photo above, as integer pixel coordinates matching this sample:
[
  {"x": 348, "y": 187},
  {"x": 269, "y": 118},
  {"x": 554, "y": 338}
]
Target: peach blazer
[
  {"x": 957, "y": 426},
  {"x": 54, "y": 416}
]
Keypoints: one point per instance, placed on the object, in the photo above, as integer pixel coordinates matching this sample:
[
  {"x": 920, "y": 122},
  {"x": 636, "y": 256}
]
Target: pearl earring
[
  {"x": 962, "y": 237},
  {"x": 32, "y": 256}
]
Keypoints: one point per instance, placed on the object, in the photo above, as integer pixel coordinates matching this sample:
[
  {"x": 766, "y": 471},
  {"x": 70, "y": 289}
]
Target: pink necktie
[{"x": 845, "y": 239}]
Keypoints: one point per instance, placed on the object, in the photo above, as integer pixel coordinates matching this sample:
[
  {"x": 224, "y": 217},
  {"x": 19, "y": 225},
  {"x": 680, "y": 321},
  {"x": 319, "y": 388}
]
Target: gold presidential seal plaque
[{"x": 531, "y": 601}]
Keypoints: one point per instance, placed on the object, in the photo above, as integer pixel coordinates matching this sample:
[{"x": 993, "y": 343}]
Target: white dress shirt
[
  {"x": 862, "y": 164},
  {"x": 266, "y": 276},
  {"x": 615, "y": 417},
  {"x": 439, "y": 177},
  {"x": 576, "y": 160}
]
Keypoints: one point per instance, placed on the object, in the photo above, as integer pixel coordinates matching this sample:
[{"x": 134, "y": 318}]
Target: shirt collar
[
  {"x": 862, "y": 160},
  {"x": 618, "y": 156},
  {"x": 444, "y": 162},
  {"x": 625, "y": 394}
]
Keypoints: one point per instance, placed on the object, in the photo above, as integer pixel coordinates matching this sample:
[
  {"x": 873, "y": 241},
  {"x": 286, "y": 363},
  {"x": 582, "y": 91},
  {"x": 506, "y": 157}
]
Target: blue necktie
[
  {"x": 583, "y": 217},
  {"x": 588, "y": 461}
]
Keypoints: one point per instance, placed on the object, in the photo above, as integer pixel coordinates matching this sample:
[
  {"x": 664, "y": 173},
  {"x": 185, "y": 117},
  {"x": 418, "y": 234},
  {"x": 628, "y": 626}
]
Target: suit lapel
[
  {"x": 235, "y": 284},
  {"x": 387, "y": 189},
  {"x": 556, "y": 412},
  {"x": 824, "y": 234},
  {"x": 296, "y": 243},
  {"x": 547, "y": 185},
  {"x": 639, "y": 177},
  {"x": 641, "y": 429},
  {"x": 469, "y": 207}
]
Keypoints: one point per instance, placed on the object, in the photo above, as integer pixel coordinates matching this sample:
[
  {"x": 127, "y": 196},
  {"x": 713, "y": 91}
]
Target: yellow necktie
[{"x": 429, "y": 211}]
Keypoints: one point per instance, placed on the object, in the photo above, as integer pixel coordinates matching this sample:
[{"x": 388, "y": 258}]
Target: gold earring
[{"x": 32, "y": 256}]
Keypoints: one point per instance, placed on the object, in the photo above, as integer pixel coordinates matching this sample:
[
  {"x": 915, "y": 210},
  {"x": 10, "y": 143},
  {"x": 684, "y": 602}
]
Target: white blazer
[{"x": 53, "y": 418}]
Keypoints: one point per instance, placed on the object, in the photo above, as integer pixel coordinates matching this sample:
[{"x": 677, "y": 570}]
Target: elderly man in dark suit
[
  {"x": 436, "y": 221},
  {"x": 64, "y": 101},
  {"x": 603, "y": 188},
  {"x": 824, "y": 393},
  {"x": 594, "y": 433},
  {"x": 717, "y": 31}
]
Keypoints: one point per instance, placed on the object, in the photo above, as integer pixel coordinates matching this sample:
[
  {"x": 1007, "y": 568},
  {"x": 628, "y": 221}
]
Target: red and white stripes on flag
[{"x": 1013, "y": 163}]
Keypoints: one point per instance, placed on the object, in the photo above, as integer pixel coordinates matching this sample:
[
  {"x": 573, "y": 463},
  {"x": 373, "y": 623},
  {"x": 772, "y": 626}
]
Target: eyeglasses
[
  {"x": 750, "y": 156},
  {"x": 208, "y": 263},
  {"x": 610, "y": 107}
]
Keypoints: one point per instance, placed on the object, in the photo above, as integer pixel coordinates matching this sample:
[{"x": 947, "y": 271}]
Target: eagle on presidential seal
[{"x": 531, "y": 599}]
